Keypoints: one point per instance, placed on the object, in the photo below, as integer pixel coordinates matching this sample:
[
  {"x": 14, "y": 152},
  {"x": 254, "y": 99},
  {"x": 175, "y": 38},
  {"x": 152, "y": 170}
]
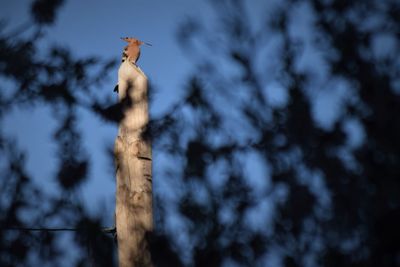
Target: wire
[{"x": 107, "y": 230}]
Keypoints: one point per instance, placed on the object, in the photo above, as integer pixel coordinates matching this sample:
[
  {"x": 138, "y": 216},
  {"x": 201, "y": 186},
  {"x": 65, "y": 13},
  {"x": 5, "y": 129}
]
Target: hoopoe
[{"x": 131, "y": 52}]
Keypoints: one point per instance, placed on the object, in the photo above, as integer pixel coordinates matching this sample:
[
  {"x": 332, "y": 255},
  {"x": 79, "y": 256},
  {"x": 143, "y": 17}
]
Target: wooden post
[{"x": 134, "y": 217}]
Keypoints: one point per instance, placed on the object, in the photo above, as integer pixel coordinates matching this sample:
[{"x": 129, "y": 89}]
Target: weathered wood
[{"x": 134, "y": 220}]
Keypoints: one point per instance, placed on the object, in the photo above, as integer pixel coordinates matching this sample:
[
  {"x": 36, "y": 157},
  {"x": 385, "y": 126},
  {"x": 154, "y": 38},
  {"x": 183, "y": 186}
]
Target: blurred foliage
[
  {"x": 246, "y": 171},
  {"x": 44, "y": 11},
  {"x": 253, "y": 174},
  {"x": 32, "y": 77}
]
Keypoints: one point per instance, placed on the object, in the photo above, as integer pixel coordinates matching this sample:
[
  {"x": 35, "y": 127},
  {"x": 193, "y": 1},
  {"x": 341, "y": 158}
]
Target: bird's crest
[{"x": 134, "y": 41}]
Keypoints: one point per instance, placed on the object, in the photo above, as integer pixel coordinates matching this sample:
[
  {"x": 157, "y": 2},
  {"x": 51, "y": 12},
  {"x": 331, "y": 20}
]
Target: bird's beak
[{"x": 147, "y": 44}]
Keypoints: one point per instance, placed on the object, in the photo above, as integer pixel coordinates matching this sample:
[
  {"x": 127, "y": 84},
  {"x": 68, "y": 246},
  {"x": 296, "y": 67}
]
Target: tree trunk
[{"x": 134, "y": 217}]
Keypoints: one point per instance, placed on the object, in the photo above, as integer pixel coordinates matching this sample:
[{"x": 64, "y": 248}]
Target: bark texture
[{"x": 134, "y": 220}]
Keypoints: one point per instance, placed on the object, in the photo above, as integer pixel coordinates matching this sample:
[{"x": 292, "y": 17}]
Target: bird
[{"x": 131, "y": 52}]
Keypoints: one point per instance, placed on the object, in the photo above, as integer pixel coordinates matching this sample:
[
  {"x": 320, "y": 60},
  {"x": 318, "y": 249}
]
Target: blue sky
[{"x": 94, "y": 27}]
